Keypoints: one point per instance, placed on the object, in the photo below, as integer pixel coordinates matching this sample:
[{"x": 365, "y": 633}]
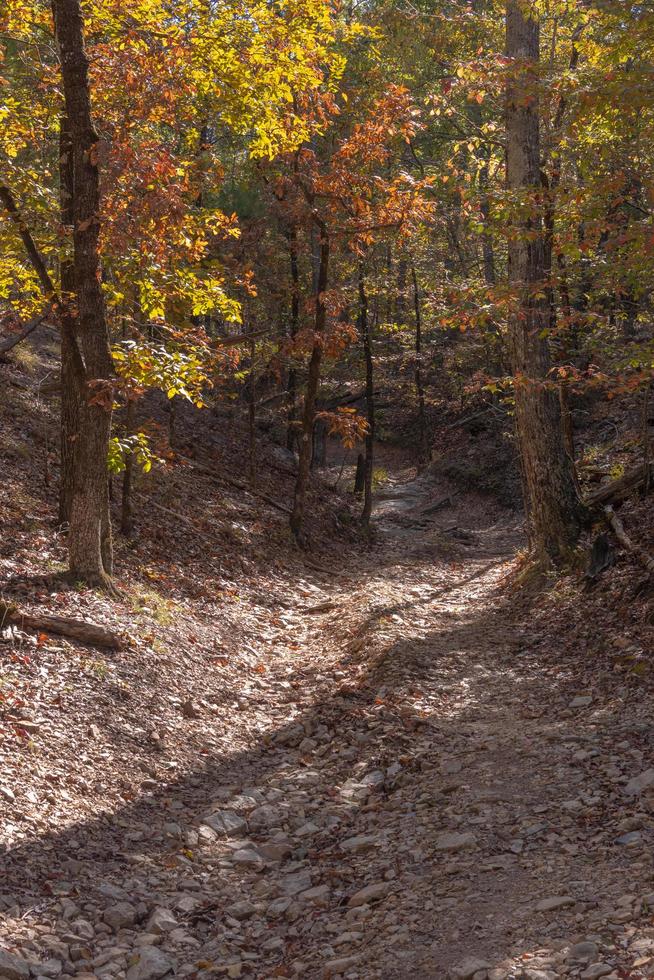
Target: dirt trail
[{"x": 418, "y": 796}]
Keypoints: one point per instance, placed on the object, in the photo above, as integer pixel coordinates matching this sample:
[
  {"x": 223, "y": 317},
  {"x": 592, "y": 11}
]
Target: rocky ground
[{"x": 388, "y": 768}]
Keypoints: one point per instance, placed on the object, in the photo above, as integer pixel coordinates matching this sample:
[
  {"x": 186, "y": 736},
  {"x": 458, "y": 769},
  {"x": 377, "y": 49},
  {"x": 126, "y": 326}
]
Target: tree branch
[{"x": 47, "y": 286}]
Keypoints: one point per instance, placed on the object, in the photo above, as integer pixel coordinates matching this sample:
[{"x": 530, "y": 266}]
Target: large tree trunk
[
  {"x": 366, "y": 340},
  {"x": 70, "y": 382},
  {"x": 551, "y": 499},
  {"x": 89, "y": 541},
  {"x": 313, "y": 381}
]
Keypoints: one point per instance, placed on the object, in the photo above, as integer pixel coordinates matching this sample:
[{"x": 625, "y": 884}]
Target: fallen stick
[
  {"x": 76, "y": 629},
  {"x": 618, "y": 529},
  {"x": 466, "y": 419},
  {"x": 320, "y": 608},
  {"x": 176, "y": 514}
]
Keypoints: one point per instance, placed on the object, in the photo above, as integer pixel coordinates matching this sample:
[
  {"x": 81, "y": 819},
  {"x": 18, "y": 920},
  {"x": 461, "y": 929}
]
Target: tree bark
[
  {"x": 126, "y": 509},
  {"x": 89, "y": 540},
  {"x": 359, "y": 476},
  {"x": 252, "y": 417},
  {"x": 423, "y": 448},
  {"x": 313, "y": 382},
  {"x": 291, "y": 384},
  {"x": 70, "y": 383},
  {"x": 366, "y": 340},
  {"x": 551, "y": 500}
]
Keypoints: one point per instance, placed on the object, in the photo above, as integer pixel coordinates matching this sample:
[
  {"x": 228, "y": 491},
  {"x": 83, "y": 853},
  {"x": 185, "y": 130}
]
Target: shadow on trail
[{"x": 33, "y": 867}]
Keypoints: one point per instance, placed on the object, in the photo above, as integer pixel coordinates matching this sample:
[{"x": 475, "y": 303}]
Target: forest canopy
[{"x": 297, "y": 204}]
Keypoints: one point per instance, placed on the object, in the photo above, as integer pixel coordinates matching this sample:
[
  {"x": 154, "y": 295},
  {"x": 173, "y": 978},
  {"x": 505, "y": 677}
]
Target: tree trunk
[
  {"x": 291, "y": 384},
  {"x": 359, "y": 476},
  {"x": 551, "y": 500},
  {"x": 488, "y": 252},
  {"x": 89, "y": 539},
  {"x": 126, "y": 510},
  {"x": 319, "y": 448},
  {"x": 70, "y": 386},
  {"x": 364, "y": 330},
  {"x": 313, "y": 381},
  {"x": 423, "y": 447},
  {"x": 252, "y": 415}
]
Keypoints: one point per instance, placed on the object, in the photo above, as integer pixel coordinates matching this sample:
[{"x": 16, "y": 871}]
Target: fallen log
[
  {"x": 443, "y": 502},
  {"x": 76, "y": 629},
  {"x": 28, "y": 328},
  {"x": 221, "y": 478},
  {"x": 618, "y": 489},
  {"x": 639, "y": 553}
]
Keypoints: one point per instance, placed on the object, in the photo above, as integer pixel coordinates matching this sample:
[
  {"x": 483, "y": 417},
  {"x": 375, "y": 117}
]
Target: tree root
[{"x": 618, "y": 529}]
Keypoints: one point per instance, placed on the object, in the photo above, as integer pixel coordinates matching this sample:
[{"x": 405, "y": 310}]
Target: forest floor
[{"x": 394, "y": 762}]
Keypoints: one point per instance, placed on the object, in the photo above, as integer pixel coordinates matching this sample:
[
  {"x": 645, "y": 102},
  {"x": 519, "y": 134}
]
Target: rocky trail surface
[{"x": 417, "y": 785}]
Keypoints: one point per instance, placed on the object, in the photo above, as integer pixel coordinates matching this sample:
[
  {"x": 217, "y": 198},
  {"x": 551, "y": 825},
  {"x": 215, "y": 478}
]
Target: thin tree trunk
[
  {"x": 70, "y": 387},
  {"x": 313, "y": 382},
  {"x": 359, "y": 476},
  {"x": 488, "y": 252},
  {"x": 291, "y": 384},
  {"x": 423, "y": 448},
  {"x": 252, "y": 417},
  {"x": 551, "y": 500},
  {"x": 364, "y": 330},
  {"x": 89, "y": 539},
  {"x": 126, "y": 509}
]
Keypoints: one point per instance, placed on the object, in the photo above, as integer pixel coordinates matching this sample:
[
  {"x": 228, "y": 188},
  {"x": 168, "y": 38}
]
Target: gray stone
[
  {"x": 152, "y": 964},
  {"x": 583, "y": 701},
  {"x": 226, "y": 823},
  {"x": 556, "y": 902},
  {"x": 293, "y": 884},
  {"x": 468, "y": 967},
  {"x": 162, "y": 920},
  {"x": 319, "y": 895},
  {"x": 50, "y": 968},
  {"x": 13, "y": 967},
  {"x": 248, "y": 857},
  {"x": 371, "y": 893},
  {"x": 275, "y": 850},
  {"x": 240, "y": 910},
  {"x": 265, "y": 816},
  {"x": 373, "y": 779},
  {"x": 340, "y": 965},
  {"x": 585, "y": 952},
  {"x": 122, "y": 915},
  {"x": 307, "y": 829},
  {"x": 596, "y": 970},
  {"x": 455, "y": 842},
  {"x": 83, "y": 928},
  {"x": 640, "y": 783},
  {"x": 630, "y": 839},
  {"x": 358, "y": 845},
  {"x": 107, "y": 890}
]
